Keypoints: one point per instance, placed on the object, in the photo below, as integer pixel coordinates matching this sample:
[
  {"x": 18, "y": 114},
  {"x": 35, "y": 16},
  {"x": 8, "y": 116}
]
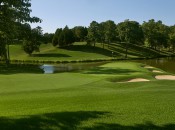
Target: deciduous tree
[
  {"x": 130, "y": 32},
  {"x": 93, "y": 33},
  {"x": 80, "y": 33},
  {"x": 156, "y": 33},
  {"x": 12, "y": 12}
]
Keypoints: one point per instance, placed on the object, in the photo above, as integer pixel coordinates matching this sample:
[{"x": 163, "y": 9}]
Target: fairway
[
  {"x": 87, "y": 65},
  {"x": 88, "y": 99}
]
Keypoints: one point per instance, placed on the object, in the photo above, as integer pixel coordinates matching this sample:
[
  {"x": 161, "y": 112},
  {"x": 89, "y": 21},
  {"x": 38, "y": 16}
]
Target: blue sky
[{"x": 59, "y": 13}]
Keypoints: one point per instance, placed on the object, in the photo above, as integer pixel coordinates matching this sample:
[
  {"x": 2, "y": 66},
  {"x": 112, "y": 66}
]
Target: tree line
[{"x": 153, "y": 34}]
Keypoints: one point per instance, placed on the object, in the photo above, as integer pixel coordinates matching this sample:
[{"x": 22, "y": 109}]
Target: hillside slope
[{"x": 81, "y": 52}]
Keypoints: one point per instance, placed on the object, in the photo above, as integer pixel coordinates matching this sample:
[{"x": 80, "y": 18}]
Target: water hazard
[
  {"x": 166, "y": 64},
  {"x": 49, "y": 69}
]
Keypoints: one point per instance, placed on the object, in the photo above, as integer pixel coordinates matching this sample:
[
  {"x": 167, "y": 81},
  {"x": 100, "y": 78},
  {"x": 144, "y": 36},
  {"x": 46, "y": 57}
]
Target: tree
[
  {"x": 93, "y": 33},
  {"x": 110, "y": 31},
  {"x": 2, "y": 46},
  {"x": 80, "y": 33},
  {"x": 130, "y": 32},
  {"x": 55, "y": 40},
  {"x": 61, "y": 40},
  {"x": 156, "y": 33},
  {"x": 47, "y": 37},
  {"x": 101, "y": 32},
  {"x": 24, "y": 31},
  {"x": 63, "y": 37},
  {"x": 34, "y": 40},
  {"x": 29, "y": 46},
  {"x": 68, "y": 36},
  {"x": 172, "y": 37},
  {"x": 11, "y": 13}
]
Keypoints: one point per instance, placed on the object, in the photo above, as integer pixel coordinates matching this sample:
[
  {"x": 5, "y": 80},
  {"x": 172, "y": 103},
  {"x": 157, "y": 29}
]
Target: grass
[
  {"x": 80, "y": 52},
  {"x": 85, "y": 100},
  {"x": 48, "y": 52}
]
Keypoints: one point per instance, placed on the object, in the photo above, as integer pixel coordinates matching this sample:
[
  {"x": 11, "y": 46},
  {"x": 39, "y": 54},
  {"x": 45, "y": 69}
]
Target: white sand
[
  {"x": 148, "y": 67},
  {"x": 138, "y": 80},
  {"x": 157, "y": 71},
  {"x": 166, "y": 77}
]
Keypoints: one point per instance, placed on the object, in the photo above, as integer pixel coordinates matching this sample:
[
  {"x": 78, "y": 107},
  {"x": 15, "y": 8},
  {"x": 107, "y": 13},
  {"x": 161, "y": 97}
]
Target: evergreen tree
[{"x": 56, "y": 37}]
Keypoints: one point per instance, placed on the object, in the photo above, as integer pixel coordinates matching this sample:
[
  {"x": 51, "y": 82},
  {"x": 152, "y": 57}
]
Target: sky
[{"x": 59, "y": 13}]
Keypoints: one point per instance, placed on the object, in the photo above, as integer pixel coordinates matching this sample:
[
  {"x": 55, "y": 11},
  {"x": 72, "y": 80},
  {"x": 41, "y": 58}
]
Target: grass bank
[
  {"x": 79, "y": 52},
  {"x": 89, "y": 99}
]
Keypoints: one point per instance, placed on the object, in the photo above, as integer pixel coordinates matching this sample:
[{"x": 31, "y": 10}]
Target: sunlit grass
[
  {"x": 86, "y": 99},
  {"x": 79, "y": 51}
]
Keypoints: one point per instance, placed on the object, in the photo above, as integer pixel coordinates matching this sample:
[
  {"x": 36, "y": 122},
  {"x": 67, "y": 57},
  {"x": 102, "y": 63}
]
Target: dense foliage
[
  {"x": 153, "y": 34},
  {"x": 12, "y": 14},
  {"x": 63, "y": 37},
  {"x": 130, "y": 32},
  {"x": 32, "y": 43}
]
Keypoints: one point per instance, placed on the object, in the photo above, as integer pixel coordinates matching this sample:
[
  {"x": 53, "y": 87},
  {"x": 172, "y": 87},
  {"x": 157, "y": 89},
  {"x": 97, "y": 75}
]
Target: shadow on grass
[
  {"x": 72, "y": 121},
  {"x": 89, "y": 49},
  {"x": 146, "y": 126},
  {"x": 20, "y": 68},
  {"x": 51, "y": 121},
  {"x": 137, "y": 50},
  {"x": 104, "y": 70},
  {"x": 50, "y": 55}
]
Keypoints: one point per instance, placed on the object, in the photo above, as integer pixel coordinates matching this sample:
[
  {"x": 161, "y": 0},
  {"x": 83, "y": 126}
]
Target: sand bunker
[
  {"x": 166, "y": 77},
  {"x": 157, "y": 71},
  {"x": 148, "y": 67},
  {"x": 138, "y": 80}
]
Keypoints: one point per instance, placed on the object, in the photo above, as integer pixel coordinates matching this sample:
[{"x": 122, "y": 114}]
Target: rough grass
[{"x": 30, "y": 100}]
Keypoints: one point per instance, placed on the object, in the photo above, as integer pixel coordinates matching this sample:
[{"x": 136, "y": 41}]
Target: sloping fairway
[
  {"x": 47, "y": 52},
  {"x": 79, "y": 51},
  {"x": 89, "y": 99}
]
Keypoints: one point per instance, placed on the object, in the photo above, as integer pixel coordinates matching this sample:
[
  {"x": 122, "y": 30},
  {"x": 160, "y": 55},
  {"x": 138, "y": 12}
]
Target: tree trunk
[
  {"x": 94, "y": 44},
  {"x": 126, "y": 50},
  {"x": 108, "y": 43},
  {"x": 7, "y": 55}
]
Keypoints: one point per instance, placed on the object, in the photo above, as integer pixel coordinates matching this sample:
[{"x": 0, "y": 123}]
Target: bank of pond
[{"x": 166, "y": 64}]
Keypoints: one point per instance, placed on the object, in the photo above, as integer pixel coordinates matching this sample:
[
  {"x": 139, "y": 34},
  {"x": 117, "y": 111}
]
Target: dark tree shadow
[
  {"x": 146, "y": 126},
  {"x": 50, "y": 55},
  {"x": 51, "y": 121},
  {"x": 72, "y": 121},
  {"x": 89, "y": 49},
  {"x": 104, "y": 70},
  {"x": 20, "y": 68}
]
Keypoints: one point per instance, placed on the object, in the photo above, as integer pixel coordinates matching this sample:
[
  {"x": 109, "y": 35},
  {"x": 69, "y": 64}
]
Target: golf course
[
  {"x": 87, "y": 65},
  {"x": 103, "y": 97}
]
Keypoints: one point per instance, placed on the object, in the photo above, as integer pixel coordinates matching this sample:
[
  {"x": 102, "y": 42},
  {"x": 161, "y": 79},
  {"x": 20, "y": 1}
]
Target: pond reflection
[
  {"x": 166, "y": 64},
  {"x": 49, "y": 69}
]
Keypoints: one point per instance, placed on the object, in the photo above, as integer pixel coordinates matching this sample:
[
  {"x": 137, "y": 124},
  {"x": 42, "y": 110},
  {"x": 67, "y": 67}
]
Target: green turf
[
  {"x": 48, "y": 52},
  {"x": 89, "y": 99},
  {"x": 80, "y": 51}
]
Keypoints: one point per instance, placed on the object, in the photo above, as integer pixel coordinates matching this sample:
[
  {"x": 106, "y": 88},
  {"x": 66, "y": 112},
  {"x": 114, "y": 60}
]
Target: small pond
[
  {"x": 166, "y": 64},
  {"x": 49, "y": 69}
]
